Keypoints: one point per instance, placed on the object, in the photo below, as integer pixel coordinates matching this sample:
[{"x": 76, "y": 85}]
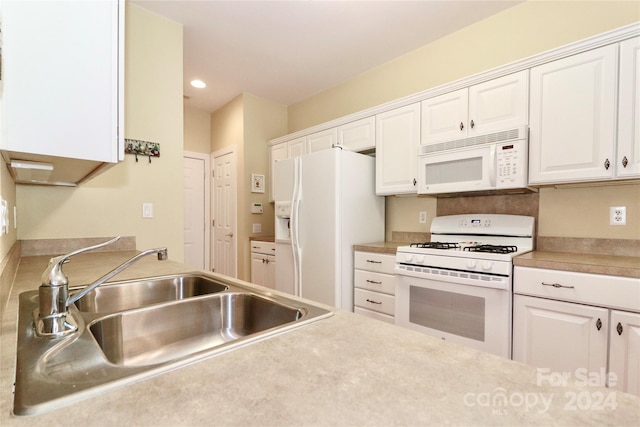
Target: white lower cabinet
[
  {"x": 263, "y": 263},
  {"x": 624, "y": 355},
  {"x": 560, "y": 336},
  {"x": 577, "y": 324},
  {"x": 374, "y": 282}
]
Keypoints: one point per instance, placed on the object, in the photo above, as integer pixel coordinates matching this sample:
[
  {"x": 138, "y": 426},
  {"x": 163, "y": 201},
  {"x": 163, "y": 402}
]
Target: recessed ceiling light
[{"x": 198, "y": 83}]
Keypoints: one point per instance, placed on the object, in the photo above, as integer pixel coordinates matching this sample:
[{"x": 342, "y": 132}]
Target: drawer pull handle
[
  {"x": 374, "y": 262},
  {"x": 557, "y": 285},
  {"x": 619, "y": 328},
  {"x": 374, "y": 282},
  {"x": 599, "y": 324},
  {"x": 373, "y": 302}
]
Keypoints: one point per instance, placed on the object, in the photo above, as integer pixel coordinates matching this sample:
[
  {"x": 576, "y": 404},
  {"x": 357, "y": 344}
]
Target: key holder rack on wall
[{"x": 142, "y": 148}]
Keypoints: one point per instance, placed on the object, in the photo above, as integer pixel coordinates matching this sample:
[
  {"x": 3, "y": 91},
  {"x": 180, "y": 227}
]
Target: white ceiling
[{"x": 286, "y": 51}]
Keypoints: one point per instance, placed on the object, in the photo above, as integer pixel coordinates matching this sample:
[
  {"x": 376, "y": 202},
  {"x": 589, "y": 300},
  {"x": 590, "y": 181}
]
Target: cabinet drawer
[
  {"x": 594, "y": 289},
  {"x": 374, "y": 301},
  {"x": 374, "y": 315},
  {"x": 370, "y": 261},
  {"x": 378, "y": 282},
  {"x": 268, "y": 248}
]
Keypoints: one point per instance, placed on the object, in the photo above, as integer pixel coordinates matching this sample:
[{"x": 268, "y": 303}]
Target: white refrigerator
[{"x": 325, "y": 203}]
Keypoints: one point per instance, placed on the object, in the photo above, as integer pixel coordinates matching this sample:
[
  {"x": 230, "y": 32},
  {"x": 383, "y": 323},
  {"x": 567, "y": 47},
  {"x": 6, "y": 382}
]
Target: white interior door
[
  {"x": 224, "y": 212},
  {"x": 196, "y": 210}
]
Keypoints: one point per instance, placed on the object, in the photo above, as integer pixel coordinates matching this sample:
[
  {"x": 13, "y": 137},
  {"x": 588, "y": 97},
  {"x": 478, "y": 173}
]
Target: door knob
[{"x": 229, "y": 235}]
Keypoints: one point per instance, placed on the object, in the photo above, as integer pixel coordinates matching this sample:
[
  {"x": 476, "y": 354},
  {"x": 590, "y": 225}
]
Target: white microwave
[{"x": 486, "y": 163}]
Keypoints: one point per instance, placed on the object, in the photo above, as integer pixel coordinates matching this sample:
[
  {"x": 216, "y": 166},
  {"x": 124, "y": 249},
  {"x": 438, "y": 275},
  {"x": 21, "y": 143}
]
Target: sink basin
[
  {"x": 130, "y": 331},
  {"x": 160, "y": 334},
  {"x": 141, "y": 293}
]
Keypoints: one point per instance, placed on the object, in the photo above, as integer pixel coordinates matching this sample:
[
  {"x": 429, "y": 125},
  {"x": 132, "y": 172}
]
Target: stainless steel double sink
[{"x": 135, "y": 329}]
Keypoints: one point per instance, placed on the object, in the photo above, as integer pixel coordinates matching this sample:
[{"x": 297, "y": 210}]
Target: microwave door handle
[{"x": 492, "y": 166}]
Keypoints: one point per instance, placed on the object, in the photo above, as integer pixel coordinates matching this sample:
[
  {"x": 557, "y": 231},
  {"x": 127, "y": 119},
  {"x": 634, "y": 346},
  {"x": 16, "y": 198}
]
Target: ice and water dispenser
[{"x": 283, "y": 222}]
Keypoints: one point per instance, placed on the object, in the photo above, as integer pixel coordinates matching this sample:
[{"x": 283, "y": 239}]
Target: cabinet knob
[
  {"x": 625, "y": 162},
  {"x": 414, "y": 181},
  {"x": 619, "y": 328},
  {"x": 461, "y": 125},
  {"x": 472, "y": 124},
  {"x": 599, "y": 324},
  {"x": 607, "y": 164}
]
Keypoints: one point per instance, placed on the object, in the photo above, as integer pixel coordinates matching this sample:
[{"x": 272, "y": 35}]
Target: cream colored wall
[
  {"x": 8, "y": 193},
  {"x": 197, "y": 130},
  {"x": 521, "y": 31},
  {"x": 402, "y": 214},
  {"x": 584, "y": 212},
  {"x": 247, "y": 123},
  {"x": 263, "y": 120},
  {"x": 518, "y": 32},
  {"x": 111, "y": 203}
]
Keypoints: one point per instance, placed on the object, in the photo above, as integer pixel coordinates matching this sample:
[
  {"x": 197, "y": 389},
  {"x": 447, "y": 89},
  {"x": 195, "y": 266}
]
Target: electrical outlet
[
  {"x": 423, "y": 217},
  {"x": 618, "y": 215}
]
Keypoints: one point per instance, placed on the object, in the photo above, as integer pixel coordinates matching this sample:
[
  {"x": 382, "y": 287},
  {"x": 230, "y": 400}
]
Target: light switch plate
[
  {"x": 257, "y": 228},
  {"x": 147, "y": 210}
]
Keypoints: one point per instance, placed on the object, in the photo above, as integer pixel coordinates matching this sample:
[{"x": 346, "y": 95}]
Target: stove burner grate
[
  {"x": 435, "y": 245},
  {"x": 494, "y": 249}
]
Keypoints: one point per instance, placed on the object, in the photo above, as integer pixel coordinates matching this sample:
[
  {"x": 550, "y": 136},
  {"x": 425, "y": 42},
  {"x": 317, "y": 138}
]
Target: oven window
[
  {"x": 457, "y": 314},
  {"x": 462, "y": 170}
]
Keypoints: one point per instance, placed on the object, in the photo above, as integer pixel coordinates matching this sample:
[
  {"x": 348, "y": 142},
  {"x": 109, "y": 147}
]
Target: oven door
[
  {"x": 463, "y": 170},
  {"x": 475, "y": 316}
]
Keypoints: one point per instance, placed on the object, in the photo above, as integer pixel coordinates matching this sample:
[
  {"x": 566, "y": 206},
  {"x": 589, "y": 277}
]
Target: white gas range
[{"x": 459, "y": 285}]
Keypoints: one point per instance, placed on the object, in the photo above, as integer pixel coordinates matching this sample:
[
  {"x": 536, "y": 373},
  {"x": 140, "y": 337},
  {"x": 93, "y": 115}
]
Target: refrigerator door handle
[{"x": 295, "y": 227}]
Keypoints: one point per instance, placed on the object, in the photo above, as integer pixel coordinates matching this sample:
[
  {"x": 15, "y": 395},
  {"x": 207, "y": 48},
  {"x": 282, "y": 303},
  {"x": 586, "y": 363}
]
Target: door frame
[
  {"x": 207, "y": 202},
  {"x": 231, "y": 149}
]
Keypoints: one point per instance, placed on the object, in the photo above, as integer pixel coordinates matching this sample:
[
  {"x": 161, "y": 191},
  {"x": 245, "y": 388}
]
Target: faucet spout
[
  {"x": 51, "y": 319},
  {"x": 162, "y": 256}
]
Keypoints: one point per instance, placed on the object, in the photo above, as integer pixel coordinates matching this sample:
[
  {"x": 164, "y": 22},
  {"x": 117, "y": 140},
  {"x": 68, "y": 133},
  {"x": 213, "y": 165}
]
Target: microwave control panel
[{"x": 511, "y": 161}]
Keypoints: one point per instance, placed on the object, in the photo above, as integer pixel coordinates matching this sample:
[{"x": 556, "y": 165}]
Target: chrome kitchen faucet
[{"x": 51, "y": 319}]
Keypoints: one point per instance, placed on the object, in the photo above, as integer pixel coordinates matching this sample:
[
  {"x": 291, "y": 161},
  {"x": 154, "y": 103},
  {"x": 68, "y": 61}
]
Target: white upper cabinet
[
  {"x": 495, "y": 105},
  {"x": 397, "y": 141},
  {"x": 62, "y": 71},
  {"x": 322, "y": 140},
  {"x": 359, "y": 135},
  {"x": 628, "y": 160},
  {"x": 297, "y": 147},
  {"x": 573, "y": 118}
]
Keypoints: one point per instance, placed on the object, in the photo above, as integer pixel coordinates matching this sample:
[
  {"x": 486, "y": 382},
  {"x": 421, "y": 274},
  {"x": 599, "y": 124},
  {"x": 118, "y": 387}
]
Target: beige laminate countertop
[
  {"x": 380, "y": 247},
  {"x": 625, "y": 266},
  {"x": 346, "y": 370}
]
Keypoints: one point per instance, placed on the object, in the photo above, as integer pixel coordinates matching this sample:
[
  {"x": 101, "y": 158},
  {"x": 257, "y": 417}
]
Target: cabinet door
[
  {"x": 624, "y": 351},
  {"x": 61, "y": 95},
  {"x": 258, "y": 269},
  {"x": 628, "y": 160},
  {"x": 322, "y": 140},
  {"x": 572, "y": 123},
  {"x": 559, "y": 336},
  {"x": 297, "y": 147},
  {"x": 276, "y": 152},
  {"x": 270, "y": 272},
  {"x": 359, "y": 135},
  {"x": 499, "y": 104},
  {"x": 444, "y": 117},
  {"x": 397, "y": 140}
]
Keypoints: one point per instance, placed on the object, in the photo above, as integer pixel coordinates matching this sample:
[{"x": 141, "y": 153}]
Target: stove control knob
[
  {"x": 486, "y": 265},
  {"x": 408, "y": 257},
  {"x": 472, "y": 263},
  {"x": 419, "y": 259}
]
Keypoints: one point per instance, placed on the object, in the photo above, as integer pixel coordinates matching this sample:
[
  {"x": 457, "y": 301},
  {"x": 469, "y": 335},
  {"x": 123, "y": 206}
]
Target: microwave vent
[{"x": 497, "y": 137}]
